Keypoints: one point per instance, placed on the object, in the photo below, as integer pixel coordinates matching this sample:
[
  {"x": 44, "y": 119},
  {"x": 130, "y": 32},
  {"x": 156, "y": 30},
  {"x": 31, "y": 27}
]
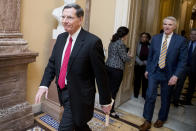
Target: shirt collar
[
  {"x": 169, "y": 36},
  {"x": 75, "y": 35}
]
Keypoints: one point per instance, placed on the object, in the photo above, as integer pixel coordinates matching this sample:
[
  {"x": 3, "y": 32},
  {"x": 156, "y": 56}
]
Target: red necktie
[{"x": 63, "y": 71}]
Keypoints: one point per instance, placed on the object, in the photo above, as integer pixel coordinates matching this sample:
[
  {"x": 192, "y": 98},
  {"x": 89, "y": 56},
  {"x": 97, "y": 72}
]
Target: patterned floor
[
  {"x": 126, "y": 122},
  {"x": 96, "y": 124}
]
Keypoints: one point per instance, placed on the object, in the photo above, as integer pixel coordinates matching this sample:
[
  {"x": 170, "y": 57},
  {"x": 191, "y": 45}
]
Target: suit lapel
[
  {"x": 159, "y": 43},
  {"x": 77, "y": 46},
  {"x": 171, "y": 44}
]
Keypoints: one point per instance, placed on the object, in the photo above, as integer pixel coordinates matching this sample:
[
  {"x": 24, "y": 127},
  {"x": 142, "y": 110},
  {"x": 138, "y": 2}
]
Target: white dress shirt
[
  {"x": 168, "y": 40},
  {"x": 74, "y": 37}
]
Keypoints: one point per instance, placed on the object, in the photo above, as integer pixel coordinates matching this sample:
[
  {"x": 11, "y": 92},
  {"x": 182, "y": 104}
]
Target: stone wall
[{"x": 15, "y": 113}]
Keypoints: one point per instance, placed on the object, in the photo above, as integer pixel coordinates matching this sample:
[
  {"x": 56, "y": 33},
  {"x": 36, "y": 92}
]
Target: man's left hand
[{"x": 172, "y": 80}]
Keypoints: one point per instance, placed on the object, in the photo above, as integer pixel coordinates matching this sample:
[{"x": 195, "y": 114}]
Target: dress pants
[
  {"x": 180, "y": 84},
  {"x": 67, "y": 123},
  {"x": 115, "y": 79},
  {"x": 191, "y": 86},
  {"x": 158, "y": 77},
  {"x": 139, "y": 79}
]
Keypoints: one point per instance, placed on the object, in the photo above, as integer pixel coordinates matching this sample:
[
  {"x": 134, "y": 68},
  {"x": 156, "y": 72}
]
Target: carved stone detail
[{"x": 11, "y": 110}]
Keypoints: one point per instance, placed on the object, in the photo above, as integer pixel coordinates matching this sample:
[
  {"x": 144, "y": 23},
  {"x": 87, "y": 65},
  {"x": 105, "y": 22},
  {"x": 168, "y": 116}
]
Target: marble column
[{"x": 15, "y": 112}]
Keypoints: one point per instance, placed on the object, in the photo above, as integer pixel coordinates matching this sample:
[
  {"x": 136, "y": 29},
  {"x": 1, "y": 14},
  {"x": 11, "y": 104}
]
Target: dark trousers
[
  {"x": 191, "y": 87},
  {"x": 180, "y": 84},
  {"x": 67, "y": 123},
  {"x": 159, "y": 77},
  {"x": 115, "y": 79},
  {"x": 139, "y": 79}
]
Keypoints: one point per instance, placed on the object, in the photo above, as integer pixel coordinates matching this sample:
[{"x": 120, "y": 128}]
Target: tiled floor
[
  {"x": 180, "y": 119},
  {"x": 97, "y": 123}
]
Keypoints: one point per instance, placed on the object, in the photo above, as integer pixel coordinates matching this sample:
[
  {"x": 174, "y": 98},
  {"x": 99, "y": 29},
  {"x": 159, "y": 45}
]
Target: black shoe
[{"x": 114, "y": 115}]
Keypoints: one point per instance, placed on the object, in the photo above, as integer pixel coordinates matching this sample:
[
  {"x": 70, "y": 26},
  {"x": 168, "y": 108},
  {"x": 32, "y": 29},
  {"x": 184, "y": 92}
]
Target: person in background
[
  {"x": 166, "y": 61},
  {"x": 140, "y": 65},
  {"x": 183, "y": 33},
  {"x": 161, "y": 31},
  {"x": 190, "y": 71},
  {"x": 115, "y": 63},
  {"x": 77, "y": 59}
]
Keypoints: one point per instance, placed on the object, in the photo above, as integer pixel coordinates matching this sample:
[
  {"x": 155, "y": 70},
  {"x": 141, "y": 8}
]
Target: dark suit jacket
[
  {"x": 86, "y": 63},
  {"x": 193, "y": 62},
  {"x": 175, "y": 58}
]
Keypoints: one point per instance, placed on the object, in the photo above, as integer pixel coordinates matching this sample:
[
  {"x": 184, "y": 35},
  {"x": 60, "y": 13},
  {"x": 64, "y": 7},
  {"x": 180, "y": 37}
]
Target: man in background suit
[
  {"x": 190, "y": 71},
  {"x": 166, "y": 61},
  {"x": 77, "y": 59}
]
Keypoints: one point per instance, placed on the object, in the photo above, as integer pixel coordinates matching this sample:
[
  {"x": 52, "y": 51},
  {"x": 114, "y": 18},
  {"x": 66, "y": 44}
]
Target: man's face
[
  {"x": 168, "y": 26},
  {"x": 193, "y": 35},
  {"x": 70, "y": 21}
]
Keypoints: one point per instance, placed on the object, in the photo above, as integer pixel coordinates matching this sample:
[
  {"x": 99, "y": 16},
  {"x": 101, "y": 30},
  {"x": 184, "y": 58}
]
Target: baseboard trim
[{"x": 36, "y": 108}]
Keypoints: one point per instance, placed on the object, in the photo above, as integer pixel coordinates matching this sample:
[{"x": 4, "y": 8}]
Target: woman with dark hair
[
  {"x": 117, "y": 56},
  {"x": 140, "y": 65}
]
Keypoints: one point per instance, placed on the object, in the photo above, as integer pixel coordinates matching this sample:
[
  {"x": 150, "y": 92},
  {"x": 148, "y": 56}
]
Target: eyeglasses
[{"x": 69, "y": 18}]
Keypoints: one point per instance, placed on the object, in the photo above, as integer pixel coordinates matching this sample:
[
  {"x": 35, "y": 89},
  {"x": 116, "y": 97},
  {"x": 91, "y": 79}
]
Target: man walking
[{"x": 166, "y": 61}]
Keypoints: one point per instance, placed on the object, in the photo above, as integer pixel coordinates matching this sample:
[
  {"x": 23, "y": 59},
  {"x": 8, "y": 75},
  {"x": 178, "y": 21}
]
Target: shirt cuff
[{"x": 43, "y": 87}]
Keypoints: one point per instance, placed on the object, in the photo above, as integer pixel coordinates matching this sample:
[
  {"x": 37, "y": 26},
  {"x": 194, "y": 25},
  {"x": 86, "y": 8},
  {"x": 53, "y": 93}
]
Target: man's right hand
[{"x": 39, "y": 94}]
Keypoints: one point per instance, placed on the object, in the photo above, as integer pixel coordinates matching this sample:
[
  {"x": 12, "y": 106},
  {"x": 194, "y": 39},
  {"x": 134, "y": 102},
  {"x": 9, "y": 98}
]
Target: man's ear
[{"x": 81, "y": 20}]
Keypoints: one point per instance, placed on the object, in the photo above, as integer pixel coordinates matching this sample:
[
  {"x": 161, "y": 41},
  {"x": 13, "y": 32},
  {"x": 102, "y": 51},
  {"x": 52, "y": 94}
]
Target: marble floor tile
[{"x": 180, "y": 119}]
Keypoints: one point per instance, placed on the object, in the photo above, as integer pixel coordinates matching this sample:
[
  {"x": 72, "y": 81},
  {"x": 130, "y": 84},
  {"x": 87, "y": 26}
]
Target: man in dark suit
[
  {"x": 77, "y": 59},
  {"x": 166, "y": 61},
  {"x": 190, "y": 71}
]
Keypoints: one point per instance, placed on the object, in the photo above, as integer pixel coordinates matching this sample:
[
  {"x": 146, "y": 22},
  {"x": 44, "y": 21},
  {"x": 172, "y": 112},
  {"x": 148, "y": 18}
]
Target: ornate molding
[{"x": 13, "y": 109}]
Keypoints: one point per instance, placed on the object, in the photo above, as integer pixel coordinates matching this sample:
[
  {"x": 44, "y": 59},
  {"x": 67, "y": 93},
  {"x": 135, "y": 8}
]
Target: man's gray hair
[
  {"x": 170, "y": 18},
  {"x": 79, "y": 10}
]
